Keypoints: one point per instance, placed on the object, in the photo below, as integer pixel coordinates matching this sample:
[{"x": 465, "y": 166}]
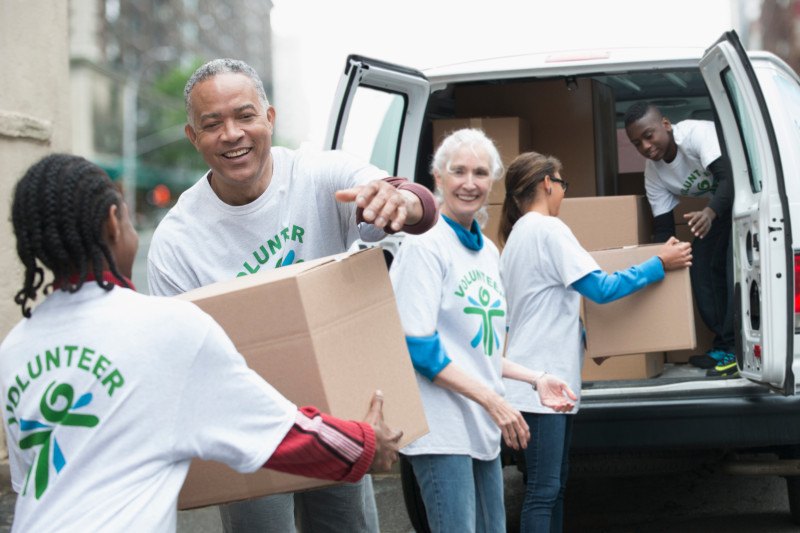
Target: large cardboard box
[
  {"x": 687, "y": 205},
  {"x": 655, "y": 319},
  {"x": 705, "y": 338},
  {"x": 577, "y": 124},
  {"x": 639, "y": 366},
  {"x": 324, "y": 333},
  {"x": 598, "y": 223},
  {"x": 492, "y": 228},
  {"x": 511, "y": 136},
  {"x": 608, "y": 221}
]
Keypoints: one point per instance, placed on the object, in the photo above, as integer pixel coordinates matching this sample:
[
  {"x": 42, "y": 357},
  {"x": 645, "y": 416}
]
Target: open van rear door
[
  {"x": 377, "y": 114},
  {"x": 758, "y": 105}
]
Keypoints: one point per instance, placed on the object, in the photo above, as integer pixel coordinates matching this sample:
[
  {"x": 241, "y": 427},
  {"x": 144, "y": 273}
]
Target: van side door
[
  {"x": 758, "y": 105},
  {"x": 377, "y": 114}
]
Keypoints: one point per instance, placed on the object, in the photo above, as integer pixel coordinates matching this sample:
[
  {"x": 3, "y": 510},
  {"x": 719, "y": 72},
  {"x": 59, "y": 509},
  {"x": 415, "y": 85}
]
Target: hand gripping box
[
  {"x": 657, "y": 318},
  {"x": 324, "y": 333}
]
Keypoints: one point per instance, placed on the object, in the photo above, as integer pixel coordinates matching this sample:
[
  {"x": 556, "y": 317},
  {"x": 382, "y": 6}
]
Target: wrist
[{"x": 535, "y": 382}]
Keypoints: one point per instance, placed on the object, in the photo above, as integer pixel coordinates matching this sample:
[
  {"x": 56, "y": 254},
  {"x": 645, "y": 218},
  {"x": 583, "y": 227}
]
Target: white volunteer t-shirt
[
  {"x": 687, "y": 174},
  {"x": 441, "y": 285},
  {"x": 203, "y": 240},
  {"x": 540, "y": 261},
  {"x": 109, "y": 395}
]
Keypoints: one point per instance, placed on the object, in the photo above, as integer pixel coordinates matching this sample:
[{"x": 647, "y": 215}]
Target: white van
[{"x": 574, "y": 104}]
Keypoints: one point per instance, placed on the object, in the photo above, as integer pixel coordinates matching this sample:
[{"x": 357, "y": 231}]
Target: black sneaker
[
  {"x": 726, "y": 368},
  {"x": 710, "y": 359}
]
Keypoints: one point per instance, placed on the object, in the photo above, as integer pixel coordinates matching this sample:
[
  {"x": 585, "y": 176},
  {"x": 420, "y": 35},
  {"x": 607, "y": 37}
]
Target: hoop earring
[{"x": 549, "y": 190}]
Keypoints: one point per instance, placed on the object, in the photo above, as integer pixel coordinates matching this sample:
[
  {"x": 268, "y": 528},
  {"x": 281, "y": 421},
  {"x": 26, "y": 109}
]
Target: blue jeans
[
  {"x": 461, "y": 493},
  {"x": 346, "y": 508},
  {"x": 547, "y": 462},
  {"x": 712, "y": 282}
]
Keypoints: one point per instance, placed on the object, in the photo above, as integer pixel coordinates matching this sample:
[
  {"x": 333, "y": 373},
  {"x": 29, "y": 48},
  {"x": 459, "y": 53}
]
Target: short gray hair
[
  {"x": 222, "y": 66},
  {"x": 474, "y": 138}
]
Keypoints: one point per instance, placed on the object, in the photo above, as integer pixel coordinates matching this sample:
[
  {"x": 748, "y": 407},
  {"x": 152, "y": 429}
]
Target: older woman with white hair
[{"x": 453, "y": 309}]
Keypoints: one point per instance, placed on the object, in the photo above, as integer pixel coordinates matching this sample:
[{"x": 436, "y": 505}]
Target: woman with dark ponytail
[
  {"x": 106, "y": 391},
  {"x": 545, "y": 272}
]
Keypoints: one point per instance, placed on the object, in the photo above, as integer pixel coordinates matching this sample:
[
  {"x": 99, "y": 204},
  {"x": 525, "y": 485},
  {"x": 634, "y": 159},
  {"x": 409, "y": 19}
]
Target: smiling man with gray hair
[{"x": 262, "y": 207}]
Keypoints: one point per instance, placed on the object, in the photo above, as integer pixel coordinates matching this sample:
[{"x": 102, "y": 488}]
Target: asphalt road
[{"x": 700, "y": 502}]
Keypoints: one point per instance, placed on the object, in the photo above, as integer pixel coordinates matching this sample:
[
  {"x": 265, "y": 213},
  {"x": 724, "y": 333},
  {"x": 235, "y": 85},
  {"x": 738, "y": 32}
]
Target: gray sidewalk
[{"x": 388, "y": 495}]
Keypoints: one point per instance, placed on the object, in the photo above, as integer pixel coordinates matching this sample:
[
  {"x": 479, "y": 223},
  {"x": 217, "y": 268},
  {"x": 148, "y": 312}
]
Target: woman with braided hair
[{"x": 109, "y": 394}]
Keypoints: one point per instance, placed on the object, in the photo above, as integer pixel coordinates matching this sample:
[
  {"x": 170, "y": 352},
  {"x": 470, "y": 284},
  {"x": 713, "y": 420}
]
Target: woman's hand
[
  {"x": 675, "y": 254},
  {"x": 514, "y": 428},
  {"x": 515, "y": 431},
  {"x": 555, "y": 393}
]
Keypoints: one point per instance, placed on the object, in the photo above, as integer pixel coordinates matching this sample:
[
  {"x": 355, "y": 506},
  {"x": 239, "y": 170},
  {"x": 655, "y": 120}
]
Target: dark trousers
[
  {"x": 712, "y": 282},
  {"x": 547, "y": 464}
]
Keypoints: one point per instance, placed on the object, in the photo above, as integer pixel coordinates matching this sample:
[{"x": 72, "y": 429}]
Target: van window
[
  {"x": 373, "y": 127},
  {"x": 785, "y": 109},
  {"x": 746, "y": 130}
]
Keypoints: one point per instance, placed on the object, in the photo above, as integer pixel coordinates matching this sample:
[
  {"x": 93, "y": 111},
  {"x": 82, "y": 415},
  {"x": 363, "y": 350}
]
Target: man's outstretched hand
[{"x": 386, "y": 440}]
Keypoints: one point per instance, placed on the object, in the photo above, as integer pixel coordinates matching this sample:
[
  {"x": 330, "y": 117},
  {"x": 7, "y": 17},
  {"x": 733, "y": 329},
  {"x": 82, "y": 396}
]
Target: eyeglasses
[{"x": 563, "y": 183}]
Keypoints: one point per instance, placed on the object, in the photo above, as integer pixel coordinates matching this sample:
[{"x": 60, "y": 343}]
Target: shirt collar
[{"x": 108, "y": 277}]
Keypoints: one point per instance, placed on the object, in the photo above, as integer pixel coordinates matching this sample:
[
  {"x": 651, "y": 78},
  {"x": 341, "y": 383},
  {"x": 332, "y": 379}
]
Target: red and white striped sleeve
[{"x": 325, "y": 447}]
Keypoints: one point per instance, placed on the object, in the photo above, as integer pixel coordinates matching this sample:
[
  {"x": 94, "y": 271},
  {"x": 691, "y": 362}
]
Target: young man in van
[{"x": 684, "y": 159}]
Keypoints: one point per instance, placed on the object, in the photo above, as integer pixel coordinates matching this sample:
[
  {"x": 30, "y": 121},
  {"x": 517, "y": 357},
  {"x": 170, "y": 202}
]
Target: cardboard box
[
  {"x": 324, "y": 333},
  {"x": 608, "y": 221},
  {"x": 687, "y": 205},
  {"x": 705, "y": 338},
  {"x": 492, "y": 228},
  {"x": 639, "y": 366},
  {"x": 577, "y": 126},
  {"x": 655, "y": 319},
  {"x": 598, "y": 223},
  {"x": 511, "y": 136}
]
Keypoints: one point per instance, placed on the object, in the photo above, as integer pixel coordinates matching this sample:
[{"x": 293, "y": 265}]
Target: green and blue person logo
[
  {"x": 40, "y": 433},
  {"x": 487, "y": 334}
]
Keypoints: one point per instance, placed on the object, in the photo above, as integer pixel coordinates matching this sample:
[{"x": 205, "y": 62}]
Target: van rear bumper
[{"x": 753, "y": 419}]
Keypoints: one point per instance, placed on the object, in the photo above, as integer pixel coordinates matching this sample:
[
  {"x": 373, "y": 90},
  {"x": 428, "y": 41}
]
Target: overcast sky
[{"x": 312, "y": 38}]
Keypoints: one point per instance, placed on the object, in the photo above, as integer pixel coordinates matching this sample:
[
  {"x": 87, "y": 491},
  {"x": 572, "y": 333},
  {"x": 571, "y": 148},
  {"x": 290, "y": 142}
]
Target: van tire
[
  {"x": 792, "y": 482},
  {"x": 793, "y": 489},
  {"x": 412, "y": 496}
]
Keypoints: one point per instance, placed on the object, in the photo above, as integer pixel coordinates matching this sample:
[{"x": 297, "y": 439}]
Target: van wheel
[
  {"x": 415, "y": 507},
  {"x": 793, "y": 488},
  {"x": 792, "y": 482}
]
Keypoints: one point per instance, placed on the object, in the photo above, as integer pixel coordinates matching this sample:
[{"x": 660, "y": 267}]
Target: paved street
[
  {"x": 388, "y": 495},
  {"x": 687, "y": 503}
]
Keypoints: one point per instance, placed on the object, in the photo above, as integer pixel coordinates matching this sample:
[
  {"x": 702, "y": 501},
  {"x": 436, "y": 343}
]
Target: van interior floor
[{"x": 673, "y": 373}]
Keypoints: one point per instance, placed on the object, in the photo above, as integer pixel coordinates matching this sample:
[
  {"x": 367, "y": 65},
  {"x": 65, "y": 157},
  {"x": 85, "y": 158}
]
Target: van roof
[
  {"x": 575, "y": 62},
  {"x": 566, "y": 63}
]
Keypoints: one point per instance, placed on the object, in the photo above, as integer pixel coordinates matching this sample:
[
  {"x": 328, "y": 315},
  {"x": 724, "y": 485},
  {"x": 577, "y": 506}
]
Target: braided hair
[{"x": 57, "y": 212}]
